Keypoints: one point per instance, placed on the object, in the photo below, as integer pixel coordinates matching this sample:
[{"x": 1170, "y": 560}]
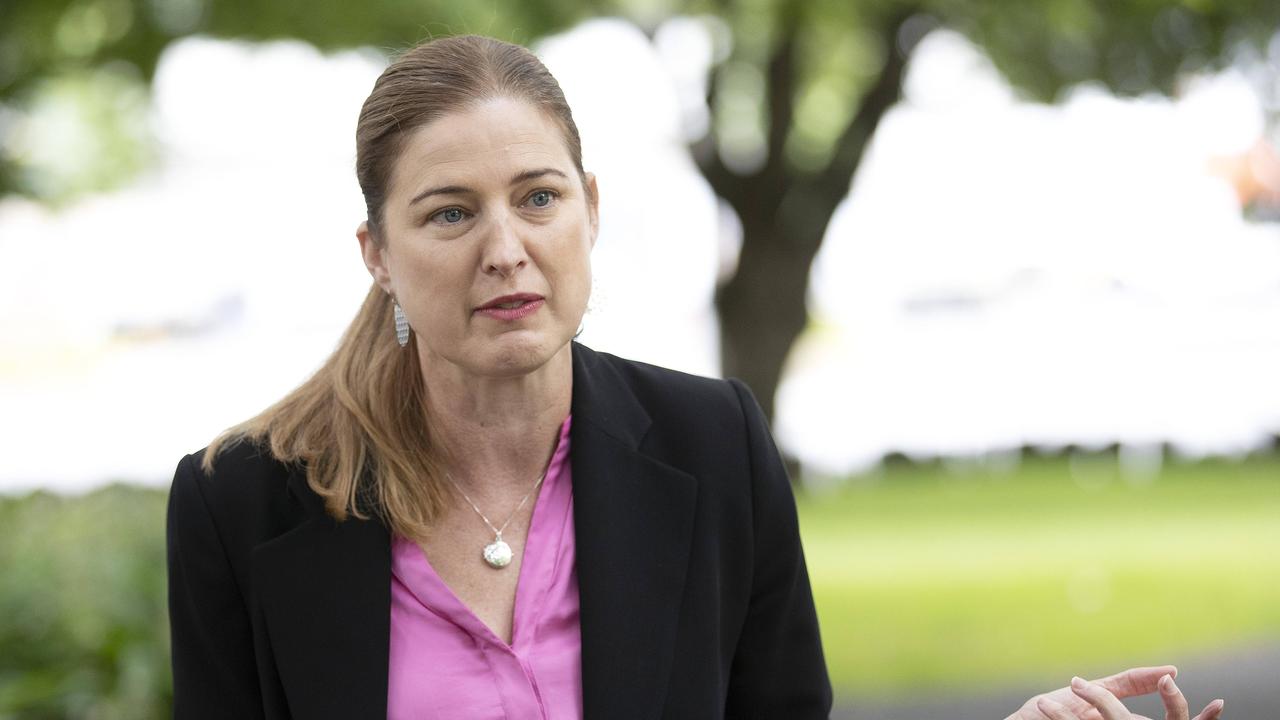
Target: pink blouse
[{"x": 445, "y": 663}]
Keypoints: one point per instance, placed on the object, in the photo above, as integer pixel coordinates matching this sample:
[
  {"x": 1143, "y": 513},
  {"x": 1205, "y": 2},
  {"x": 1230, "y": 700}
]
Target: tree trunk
[
  {"x": 762, "y": 307},
  {"x": 784, "y": 216}
]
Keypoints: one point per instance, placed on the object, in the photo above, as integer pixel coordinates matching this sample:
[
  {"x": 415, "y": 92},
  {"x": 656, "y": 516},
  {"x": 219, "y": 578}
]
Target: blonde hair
[{"x": 359, "y": 423}]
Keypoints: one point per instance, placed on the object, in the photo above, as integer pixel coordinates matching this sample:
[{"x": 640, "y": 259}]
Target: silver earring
[{"x": 402, "y": 325}]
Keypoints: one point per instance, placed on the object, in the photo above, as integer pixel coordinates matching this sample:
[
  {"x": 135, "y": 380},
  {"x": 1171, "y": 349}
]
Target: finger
[
  {"x": 1212, "y": 711},
  {"x": 1107, "y": 704},
  {"x": 1054, "y": 710},
  {"x": 1175, "y": 705},
  {"x": 1136, "y": 681}
]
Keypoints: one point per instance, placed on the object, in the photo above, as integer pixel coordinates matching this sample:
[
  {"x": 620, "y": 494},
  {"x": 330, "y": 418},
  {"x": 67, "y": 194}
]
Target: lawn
[{"x": 926, "y": 577}]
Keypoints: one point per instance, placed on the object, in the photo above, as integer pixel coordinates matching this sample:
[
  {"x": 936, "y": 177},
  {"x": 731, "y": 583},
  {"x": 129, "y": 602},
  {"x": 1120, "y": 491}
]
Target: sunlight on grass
[{"x": 925, "y": 579}]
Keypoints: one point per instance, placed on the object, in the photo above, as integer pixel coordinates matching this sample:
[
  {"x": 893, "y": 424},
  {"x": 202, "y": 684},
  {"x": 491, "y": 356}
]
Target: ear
[
  {"x": 375, "y": 256},
  {"x": 593, "y": 205}
]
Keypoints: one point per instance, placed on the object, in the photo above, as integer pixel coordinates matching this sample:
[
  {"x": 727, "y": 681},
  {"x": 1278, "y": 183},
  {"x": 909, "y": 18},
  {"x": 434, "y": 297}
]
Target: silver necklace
[{"x": 497, "y": 554}]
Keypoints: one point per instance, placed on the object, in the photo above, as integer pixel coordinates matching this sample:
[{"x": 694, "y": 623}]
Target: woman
[{"x": 465, "y": 514}]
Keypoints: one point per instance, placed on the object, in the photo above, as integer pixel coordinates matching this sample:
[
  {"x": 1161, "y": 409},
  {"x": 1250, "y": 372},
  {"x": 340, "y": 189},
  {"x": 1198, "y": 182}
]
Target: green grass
[
  {"x": 923, "y": 578},
  {"x": 928, "y": 579}
]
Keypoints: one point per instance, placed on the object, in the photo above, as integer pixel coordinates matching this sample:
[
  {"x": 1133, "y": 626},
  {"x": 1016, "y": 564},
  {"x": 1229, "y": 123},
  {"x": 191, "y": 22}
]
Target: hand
[{"x": 1099, "y": 700}]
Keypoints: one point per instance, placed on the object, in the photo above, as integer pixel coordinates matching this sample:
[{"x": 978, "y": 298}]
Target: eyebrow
[{"x": 460, "y": 190}]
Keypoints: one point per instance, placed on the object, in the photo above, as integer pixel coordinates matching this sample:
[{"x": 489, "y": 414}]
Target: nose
[{"x": 504, "y": 252}]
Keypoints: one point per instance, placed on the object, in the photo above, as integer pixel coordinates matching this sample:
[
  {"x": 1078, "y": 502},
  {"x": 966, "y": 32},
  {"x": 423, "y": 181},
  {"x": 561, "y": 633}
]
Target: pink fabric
[{"x": 445, "y": 663}]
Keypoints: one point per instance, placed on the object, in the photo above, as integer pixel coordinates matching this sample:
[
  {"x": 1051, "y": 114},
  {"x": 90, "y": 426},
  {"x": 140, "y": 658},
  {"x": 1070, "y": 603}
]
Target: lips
[
  {"x": 508, "y": 302},
  {"x": 511, "y": 307}
]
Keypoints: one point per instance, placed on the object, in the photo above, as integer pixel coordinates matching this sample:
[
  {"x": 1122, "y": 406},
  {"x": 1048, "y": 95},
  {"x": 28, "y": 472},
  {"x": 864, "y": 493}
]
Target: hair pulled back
[
  {"x": 358, "y": 425},
  {"x": 440, "y": 77}
]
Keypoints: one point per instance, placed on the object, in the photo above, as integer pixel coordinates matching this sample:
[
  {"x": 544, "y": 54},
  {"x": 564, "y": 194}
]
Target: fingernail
[
  {"x": 1166, "y": 684},
  {"x": 1079, "y": 683}
]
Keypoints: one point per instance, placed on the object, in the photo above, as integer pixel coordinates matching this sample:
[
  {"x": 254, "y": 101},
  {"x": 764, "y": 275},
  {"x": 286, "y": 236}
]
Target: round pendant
[{"x": 497, "y": 554}]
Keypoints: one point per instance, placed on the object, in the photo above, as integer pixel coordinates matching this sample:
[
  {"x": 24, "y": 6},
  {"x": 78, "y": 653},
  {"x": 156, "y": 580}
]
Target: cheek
[
  {"x": 435, "y": 272},
  {"x": 576, "y": 272},
  {"x": 437, "y": 288}
]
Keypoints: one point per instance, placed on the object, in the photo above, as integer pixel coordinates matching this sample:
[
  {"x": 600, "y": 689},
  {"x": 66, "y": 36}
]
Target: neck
[{"x": 497, "y": 433}]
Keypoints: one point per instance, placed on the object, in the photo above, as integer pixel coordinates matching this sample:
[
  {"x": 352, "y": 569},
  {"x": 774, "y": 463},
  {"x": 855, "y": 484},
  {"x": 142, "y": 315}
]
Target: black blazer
[{"x": 695, "y": 602}]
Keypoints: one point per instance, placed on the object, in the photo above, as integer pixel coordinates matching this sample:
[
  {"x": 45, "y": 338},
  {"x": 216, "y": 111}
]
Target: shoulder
[
  {"x": 685, "y": 420},
  {"x": 246, "y": 497},
  {"x": 671, "y": 387},
  {"x": 241, "y": 468},
  {"x": 672, "y": 396}
]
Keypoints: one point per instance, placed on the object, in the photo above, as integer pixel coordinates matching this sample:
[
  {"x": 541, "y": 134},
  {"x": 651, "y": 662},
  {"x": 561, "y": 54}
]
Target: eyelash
[
  {"x": 437, "y": 214},
  {"x": 554, "y": 196},
  {"x": 434, "y": 217}
]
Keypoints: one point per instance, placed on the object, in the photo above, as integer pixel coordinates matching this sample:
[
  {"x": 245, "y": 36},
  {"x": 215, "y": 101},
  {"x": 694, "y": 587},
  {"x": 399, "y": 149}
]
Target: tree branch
[
  {"x": 723, "y": 181},
  {"x": 833, "y": 182},
  {"x": 780, "y": 78}
]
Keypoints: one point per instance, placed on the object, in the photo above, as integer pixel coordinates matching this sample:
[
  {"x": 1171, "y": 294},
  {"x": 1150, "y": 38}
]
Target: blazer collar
[
  {"x": 321, "y": 603},
  {"x": 323, "y": 591},
  {"x": 633, "y": 518},
  {"x": 324, "y": 588}
]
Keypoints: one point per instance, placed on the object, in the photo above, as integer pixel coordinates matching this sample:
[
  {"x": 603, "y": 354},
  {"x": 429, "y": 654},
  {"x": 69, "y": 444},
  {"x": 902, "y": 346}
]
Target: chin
[{"x": 514, "y": 356}]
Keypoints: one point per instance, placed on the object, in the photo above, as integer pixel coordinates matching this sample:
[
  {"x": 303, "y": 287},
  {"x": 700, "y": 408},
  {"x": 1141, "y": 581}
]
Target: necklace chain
[{"x": 497, "y": 531}]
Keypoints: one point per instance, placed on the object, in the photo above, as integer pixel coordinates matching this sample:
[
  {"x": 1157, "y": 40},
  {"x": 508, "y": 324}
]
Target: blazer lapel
[
  {"x": 324, "y": 590},
  {"x": 633, "y": 518}
]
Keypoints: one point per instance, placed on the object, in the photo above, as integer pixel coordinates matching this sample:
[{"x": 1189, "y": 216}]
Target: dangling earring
[{"x": 402, "y": 324}]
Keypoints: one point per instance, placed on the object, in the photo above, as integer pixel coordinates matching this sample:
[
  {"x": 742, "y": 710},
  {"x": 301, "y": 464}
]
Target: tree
[
  {"x": 796, "y": 97},
  {"x": 858, "y": 53},
  {"x": 53, "y": 48}
]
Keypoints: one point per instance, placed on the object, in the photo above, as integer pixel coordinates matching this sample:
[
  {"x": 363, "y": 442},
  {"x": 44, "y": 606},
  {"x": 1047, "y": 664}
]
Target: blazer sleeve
[
  {"x": 214, "y": 672},
  {"x": 778, "y": 669}
]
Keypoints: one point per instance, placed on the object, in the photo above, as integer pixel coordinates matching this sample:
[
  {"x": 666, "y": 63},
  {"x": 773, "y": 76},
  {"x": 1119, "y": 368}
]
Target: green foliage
[
  {"x": 1131, "y": 47},
  {"x": 83, "y": 131},
  {"x": 83, "y": 622},
  {"x": 72, "y": 54}
]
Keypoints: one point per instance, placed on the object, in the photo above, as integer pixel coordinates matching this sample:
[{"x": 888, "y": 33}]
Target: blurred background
[{"x": 1006, "y": 277}]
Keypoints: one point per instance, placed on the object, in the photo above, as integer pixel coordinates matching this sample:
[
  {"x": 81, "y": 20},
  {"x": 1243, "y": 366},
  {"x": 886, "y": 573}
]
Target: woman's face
[{"x": 487, "y": 239}]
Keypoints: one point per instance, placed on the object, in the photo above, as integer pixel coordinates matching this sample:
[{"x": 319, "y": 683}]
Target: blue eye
[
  {"x": 542, "y": 198},
  {"x": 449, "y": 216}
]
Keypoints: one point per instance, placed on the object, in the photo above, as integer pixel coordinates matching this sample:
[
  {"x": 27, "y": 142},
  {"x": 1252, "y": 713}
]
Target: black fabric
[{"x": 695, "y": 602}]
